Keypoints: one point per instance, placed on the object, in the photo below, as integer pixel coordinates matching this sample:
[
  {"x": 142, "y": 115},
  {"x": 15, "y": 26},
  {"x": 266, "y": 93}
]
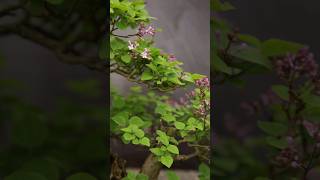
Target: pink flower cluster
[
  {"x": 146, "y": 54},
  {"x": 288, "y": 157},
  {"x": 143, "y": 30},
  {"x": 172, "y": 58},
  {"x": 132, "y": 45},
  {"x": 302, "y": 64},
  {"x": 204, "y": 82}
]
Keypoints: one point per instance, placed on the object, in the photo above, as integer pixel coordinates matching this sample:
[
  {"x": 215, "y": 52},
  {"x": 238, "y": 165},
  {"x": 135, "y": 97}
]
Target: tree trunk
[{"x": 151, "y": 167}]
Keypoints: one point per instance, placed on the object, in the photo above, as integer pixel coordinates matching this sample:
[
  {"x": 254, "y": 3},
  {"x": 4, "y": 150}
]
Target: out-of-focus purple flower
[
  {"x": 132, "y": 45},
  {"x": 146, "y": 30},
  {"x": 300, "y": 64},
  {"x": 146, "y": 54},
  {"x": 172, "y": 57},
  {"x": 204, "y": 82}
]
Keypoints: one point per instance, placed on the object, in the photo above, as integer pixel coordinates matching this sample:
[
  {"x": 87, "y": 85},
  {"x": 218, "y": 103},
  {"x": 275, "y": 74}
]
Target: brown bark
[{"x": 151, "y": 167}]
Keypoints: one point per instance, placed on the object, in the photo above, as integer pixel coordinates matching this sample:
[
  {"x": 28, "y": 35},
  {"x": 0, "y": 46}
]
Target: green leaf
[
  {"x": 171, "y": 175},
  {"x": 163, "y": 139},
  {"x": 173, "y": 149},
  {"x": 277, "y": 47},
  {"x": 128, "y": 136},
  {"x": 145, "y": 141},
  {"x": 121, "y": 118},
  {"x": 135, "y": 141},
  {"x": 204, "y": 172},
  {"x": 130, "y": 176},
  {"x": 81, "y": 176},
  {"x": 166, "y": 160},
  {"x": 281, "y": 91},
  {"x": 146, "y": 75},
  {"x": 139, "y": 133},
  {"x": 179, "y": 125},
  {"x": 251, "y": 40},
  {"x": 126, "y": 58},
  {"x": 141, "y": 177},
  {"x": 219, "y": 65},
  {"x": 168, "y": 118},
  {"x": 157, "y": 151},
  {"x": 175, "y": 80},
  {"x": 135, "y": 120},
  {"x": 272, "y": 128},
  {"x": 278, "y": 143},
  {"x": 55, "y": 2},
  {"x": 253, "y": 55}
]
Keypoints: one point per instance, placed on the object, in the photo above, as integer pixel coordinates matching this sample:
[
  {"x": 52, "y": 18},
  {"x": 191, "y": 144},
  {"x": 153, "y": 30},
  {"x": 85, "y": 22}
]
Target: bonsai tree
[
  {"x": 288, "y": 112},
  {"x": 147, "y": 119}
]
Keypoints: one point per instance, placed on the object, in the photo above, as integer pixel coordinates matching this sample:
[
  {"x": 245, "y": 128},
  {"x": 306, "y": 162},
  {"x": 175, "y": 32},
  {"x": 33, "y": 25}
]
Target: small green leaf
[
  {"x": 277, "y": 47},
  {"x": 146, "y": 75},
  {"x": 272, "y": 128},
  {"x": 145, "y": 141},
  {"x": 169, "y": 118},
  {"x": 179, "y": 125},
  {"x": 157, "y": 151},
  {"x": 139, "y": 133},
  {"x": 141, "y": 177},
  {"x": 166, "y": 160},
  {"x": 278, "y": 143},
  {"x": 126, "y": 58},
  {"x": 281, "y": 91},
  {"x": 135, "y": 120},
  {"x": 135, "y": 141},
  {"x": 121, "y": 118},
  {"x": 173, "y": 149},
  {"x": 251, "y": 40},
  {"x": 128, "y": 137}
]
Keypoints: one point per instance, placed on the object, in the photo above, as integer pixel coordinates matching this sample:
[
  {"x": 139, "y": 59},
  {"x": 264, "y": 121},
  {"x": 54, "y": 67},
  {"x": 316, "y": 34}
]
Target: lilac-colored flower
[
  {"x": 172, "y": 57},
  {"x": 146, "y": 54},
  {"x": 132, "y": 45},
  {"x": 143, "y": 30},
  {"x": 301, "y": 64},
  {"x": 204, "y": 82}
]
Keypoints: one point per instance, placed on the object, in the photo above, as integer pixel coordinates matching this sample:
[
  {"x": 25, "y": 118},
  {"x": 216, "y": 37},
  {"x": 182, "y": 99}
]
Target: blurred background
[{"x": 290, "y": 20}]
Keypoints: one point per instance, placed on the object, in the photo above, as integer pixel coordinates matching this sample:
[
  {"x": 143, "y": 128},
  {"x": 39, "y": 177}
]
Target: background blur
[{"x": 291, "y": 20}]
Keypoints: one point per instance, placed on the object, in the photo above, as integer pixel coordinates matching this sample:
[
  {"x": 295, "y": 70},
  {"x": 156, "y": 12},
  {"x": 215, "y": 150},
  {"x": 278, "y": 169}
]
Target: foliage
[{"x": 148, "y": 119}]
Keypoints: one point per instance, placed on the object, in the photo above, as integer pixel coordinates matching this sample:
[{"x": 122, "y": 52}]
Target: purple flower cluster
[
  {"x": 204, "y": 82},
  {"x": 300, "y": 64},
  {"x": 172, "y": 57},
  {"x": 146, "y": 30}
]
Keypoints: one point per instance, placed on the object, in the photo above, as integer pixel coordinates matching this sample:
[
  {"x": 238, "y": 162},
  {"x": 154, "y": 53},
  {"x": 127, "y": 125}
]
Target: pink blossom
[
  {"x": 204, "y": 82},
  {"x": 172, "y": 57},
  {"x": 146, "y": 54},
  {"x": 133, "y": 45},
  {"x": 149, "y": 30}
]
